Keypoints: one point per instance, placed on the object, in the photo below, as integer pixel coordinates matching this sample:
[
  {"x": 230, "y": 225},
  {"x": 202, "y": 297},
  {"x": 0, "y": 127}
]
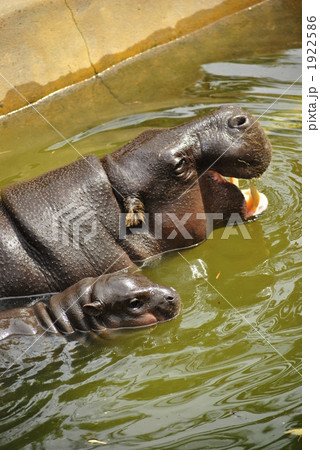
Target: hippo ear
[
  {"x": 93, "y": 309},
  {"x": 135, "y": 211}
]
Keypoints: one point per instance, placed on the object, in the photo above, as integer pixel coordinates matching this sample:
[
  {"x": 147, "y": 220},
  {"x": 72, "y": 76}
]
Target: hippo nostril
[
  {"x": 238, "y": 122},
  {"x": 169, "y": 298}
]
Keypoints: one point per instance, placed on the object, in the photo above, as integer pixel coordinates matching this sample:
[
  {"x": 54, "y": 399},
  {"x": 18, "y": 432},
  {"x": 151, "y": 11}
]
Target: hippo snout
[
  {"x": 168, "y": 304},
  {"x": 234, "y": 144}
]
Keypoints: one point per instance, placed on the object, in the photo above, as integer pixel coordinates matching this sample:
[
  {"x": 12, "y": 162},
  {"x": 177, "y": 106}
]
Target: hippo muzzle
[{"x": 234, "y": 145}]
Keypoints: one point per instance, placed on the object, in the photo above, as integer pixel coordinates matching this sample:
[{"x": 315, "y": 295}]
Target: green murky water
[{"x": 226, "y": 373}]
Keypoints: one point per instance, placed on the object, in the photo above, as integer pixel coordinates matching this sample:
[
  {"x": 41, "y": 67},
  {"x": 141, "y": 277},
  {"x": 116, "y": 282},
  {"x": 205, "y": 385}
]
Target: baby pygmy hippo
[{"x": 118, "y": 300}]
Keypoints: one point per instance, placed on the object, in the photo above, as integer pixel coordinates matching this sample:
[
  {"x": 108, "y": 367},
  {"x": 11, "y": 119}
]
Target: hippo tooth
[
  {"x": 255, "y": 196},
  {"x": 234, "y": 181},
  {"x": 256, "y": 202},
  {"x": 252, "y": 197}
]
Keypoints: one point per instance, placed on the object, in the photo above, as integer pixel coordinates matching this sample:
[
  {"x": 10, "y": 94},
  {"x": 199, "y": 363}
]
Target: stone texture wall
[{"x": 46, "y": 45}]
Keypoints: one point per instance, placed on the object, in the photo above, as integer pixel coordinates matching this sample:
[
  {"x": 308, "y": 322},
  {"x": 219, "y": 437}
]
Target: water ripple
[{"x": 225, "y": 374}]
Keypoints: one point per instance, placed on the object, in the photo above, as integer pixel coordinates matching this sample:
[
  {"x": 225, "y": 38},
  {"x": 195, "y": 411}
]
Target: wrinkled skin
[
  {"x": 105, "y": 303},
  {"x": 161, "y": 172}
]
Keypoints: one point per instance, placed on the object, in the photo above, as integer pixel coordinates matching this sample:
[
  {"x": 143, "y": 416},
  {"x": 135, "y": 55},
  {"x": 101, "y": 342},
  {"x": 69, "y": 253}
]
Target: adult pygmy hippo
[
  {"x": 108, "y": 302},
  {"x": 68, "y": 223}
]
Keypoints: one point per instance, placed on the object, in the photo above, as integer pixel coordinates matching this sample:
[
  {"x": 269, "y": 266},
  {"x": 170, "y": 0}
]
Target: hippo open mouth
[
  {"x": 256, "y": 202},
  {"x": 222, "y": 193},
  {"x": 236, "y": 149}
]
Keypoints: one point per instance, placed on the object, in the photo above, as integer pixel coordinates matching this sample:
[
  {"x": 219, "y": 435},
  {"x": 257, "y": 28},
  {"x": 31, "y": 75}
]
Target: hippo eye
[
  {"x": 135, "y": 303},
  {"x": 180, "y": 166}
]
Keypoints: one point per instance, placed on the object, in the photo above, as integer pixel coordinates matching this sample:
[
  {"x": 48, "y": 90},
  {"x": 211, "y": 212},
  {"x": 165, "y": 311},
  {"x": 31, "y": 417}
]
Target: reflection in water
[{"x": 212, "y": 378}]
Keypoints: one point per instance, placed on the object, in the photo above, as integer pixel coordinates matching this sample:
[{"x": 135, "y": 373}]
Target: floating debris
[{"x": 295, "y": 432}]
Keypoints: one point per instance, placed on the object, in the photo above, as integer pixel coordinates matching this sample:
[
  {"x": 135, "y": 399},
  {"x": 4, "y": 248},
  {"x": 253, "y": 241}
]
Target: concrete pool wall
[
  {"x": 153, "y": 79},
  {"x": 47, "y": 45}
]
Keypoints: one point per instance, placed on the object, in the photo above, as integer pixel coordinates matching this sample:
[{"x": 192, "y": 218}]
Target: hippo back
[{"x": 58, "y": 228}]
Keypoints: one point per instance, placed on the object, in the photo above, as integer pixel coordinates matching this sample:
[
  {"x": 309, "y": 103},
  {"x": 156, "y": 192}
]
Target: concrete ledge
[{"x": 47, "y": 45}]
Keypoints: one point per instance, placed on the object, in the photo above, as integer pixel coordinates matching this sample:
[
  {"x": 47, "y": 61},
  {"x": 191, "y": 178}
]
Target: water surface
[{"x": 227, "y": 372}]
